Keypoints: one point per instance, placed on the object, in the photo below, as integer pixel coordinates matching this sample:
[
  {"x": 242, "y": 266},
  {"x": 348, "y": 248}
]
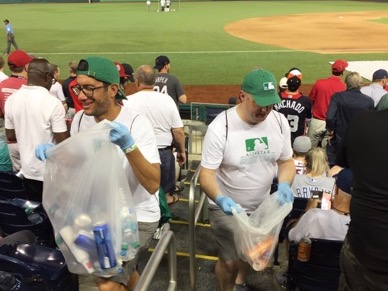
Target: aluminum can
[{"x": 304, "y": 249}]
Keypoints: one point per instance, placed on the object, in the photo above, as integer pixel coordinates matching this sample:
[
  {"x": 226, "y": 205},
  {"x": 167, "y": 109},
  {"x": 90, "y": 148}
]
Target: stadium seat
[
  {"x": 11, "y": 186},
  {"x": 321, "y": 272},
  {"x": 13, "y": 218},
  {"x": 37, "y": 267}
]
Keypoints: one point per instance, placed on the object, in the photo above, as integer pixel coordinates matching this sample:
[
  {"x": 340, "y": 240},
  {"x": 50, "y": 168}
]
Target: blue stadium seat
[
  {"x": 37, "y": 267},
  {"x": 13, "y": 218},
  {"x": 321, "y": 272},
  {"x": 11, "y": 186}
]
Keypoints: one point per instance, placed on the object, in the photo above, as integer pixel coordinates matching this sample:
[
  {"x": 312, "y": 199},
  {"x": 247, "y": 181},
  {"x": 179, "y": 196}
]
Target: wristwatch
[{"x": 130, "y": 149}]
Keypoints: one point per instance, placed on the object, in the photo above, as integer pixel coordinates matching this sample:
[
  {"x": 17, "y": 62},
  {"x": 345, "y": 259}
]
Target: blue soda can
[{"x": 103, "y": 239}]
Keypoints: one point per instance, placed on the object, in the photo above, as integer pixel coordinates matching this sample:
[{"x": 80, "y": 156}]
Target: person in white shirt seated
[{"x": 329, "y": 224}]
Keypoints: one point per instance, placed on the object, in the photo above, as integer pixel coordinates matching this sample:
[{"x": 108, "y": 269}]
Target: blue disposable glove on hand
[
  {"x": 121, "y": 136},
  {"x": 40, "y": 151},
  {"x": 284, "y": 193},
  {"x": 225, "y": 203}
]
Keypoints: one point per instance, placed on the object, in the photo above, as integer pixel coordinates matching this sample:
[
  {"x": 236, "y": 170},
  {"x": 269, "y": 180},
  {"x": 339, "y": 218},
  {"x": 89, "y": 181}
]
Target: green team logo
[
  {"x": 256, "y": 144},
  {"x": 268, "y": 86}
]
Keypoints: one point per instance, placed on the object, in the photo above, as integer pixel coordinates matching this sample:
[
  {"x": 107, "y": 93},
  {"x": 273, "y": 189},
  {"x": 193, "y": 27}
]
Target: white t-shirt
[
  {"x": 323, "y": 224},
  {"x": 56, "y": 90},
  {"x": 246, "y": 161},
  {"x": 375, "y": 91},
  {"x": 34, "y": 115},
  {"x": 147, "y": 205},
  {"x": 303, "y": 185},
  {"x": 160, "y": 110},
  {"x": 3, "y": 76}
]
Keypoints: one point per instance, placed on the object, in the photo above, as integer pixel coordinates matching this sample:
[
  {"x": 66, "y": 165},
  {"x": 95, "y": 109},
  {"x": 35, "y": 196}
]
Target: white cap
[
  {"x": 83, "y": 220},
  {"x": 283, "y": 83}
]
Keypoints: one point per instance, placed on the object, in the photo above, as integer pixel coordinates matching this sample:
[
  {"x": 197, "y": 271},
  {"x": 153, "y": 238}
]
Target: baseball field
[{"x": 208, "y": 43}]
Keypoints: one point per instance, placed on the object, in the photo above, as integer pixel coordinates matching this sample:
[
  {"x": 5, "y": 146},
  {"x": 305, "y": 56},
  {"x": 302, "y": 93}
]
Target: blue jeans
[{"x": 167, "y": 170}]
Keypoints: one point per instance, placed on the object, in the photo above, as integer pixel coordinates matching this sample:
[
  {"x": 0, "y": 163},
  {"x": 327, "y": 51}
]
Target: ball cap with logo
[
  {"x": 380, "y": 75},
  {"x": 19, "y": 58},
  {"x": 101, "y": 69},
  {"x": 262, "y": 86},
  {"x": 129, "y": 71},
  {"x": 339, "y": 66},
  {"x": 160, "y": 62}
]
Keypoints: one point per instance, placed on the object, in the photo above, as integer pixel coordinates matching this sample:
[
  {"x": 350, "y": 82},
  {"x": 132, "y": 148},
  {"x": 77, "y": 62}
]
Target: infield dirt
[{"x": 317, "y": 32}]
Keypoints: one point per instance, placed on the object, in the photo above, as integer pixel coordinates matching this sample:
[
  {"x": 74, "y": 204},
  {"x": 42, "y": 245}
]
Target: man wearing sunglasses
[{"x": 98, "y": 91}]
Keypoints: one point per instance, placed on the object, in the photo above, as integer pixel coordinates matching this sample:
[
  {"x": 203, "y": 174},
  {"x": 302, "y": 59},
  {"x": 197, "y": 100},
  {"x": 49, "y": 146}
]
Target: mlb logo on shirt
[{"x": 256, "y": 144}]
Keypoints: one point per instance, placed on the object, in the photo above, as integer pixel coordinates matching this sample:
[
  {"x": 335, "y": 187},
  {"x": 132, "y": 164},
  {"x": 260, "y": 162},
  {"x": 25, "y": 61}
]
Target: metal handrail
[
  {"x": 194, "y": 213},
  {"x": 167, "y": 240}
]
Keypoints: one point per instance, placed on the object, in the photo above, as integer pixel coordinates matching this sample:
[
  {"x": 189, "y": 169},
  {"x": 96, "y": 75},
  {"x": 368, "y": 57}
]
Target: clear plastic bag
[
  {"x": 256, "y": 235},
  {"x": 89, "y": 203}
]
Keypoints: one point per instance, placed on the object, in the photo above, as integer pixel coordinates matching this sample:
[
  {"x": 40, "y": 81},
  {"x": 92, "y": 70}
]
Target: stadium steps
[{"x": 206, "y": 255}]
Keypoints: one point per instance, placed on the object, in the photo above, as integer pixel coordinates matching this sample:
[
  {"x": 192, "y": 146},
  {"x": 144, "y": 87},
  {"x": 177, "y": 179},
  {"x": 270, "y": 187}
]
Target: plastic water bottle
[
  {"x": 80, "y": 255},
  {"x": 105, "y": 250},
  {"x": 130, "y": 233},
  {"x": 33, "y": 216}
]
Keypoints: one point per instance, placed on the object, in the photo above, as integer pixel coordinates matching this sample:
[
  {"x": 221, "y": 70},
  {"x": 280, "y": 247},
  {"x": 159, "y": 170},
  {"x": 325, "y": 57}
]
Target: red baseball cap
[
  {"x": 19, "y": 58},
  {"x": 339, "y": 66},
  {"x": 121, "y": 70}
]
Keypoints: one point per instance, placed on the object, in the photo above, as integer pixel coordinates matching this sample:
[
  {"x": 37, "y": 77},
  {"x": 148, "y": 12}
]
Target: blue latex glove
[
  {"x": 225, "y": 203},
  {"x": 40, "y": 151},
  {"x": 121, "y": 136},
  {"x": 284, "y": 193}
]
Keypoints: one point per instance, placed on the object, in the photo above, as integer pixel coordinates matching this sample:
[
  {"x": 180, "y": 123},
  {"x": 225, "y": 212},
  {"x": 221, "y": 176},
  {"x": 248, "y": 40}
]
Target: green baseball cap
[
  {"x": 262, "y": 86},
  {"x": 101, "y": 69}
]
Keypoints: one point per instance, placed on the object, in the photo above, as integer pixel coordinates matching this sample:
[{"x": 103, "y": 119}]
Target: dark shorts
[
  {"x": 222, "y": 227},
  {"x": 146, "y": 231},
  {"x": 356, "y": 277},
  {"x": 167, "y": 170}
]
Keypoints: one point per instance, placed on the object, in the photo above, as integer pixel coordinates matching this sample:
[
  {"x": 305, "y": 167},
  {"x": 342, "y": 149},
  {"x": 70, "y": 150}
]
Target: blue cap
[
  {"x": 85, "y": 242},
  {"x": 344, "y": 180}
]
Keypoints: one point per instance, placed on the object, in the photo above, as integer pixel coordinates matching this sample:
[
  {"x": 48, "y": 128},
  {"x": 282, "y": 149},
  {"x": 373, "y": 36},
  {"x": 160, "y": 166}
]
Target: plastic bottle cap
[
  {"x": 83, "y": 220},
  {"x": 124, "y": 246}
]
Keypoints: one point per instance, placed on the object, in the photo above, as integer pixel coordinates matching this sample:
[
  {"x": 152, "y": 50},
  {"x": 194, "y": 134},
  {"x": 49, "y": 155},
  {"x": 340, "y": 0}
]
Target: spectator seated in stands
[
  {"x": 301, "y": 145},
  {"x": 329, "y": 224},
  {"x": 315, "y": 178}
]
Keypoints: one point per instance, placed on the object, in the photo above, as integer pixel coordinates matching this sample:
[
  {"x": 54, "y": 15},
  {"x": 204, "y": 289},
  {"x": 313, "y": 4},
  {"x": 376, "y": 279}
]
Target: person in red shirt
[
  {"x": 320, "y": 96},
  {"x": 18, "y": 64}
]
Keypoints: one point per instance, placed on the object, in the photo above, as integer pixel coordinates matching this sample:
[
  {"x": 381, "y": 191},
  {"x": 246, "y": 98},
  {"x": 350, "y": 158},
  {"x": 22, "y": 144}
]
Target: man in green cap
[
  {"x": 244, "y": 149},
  {"x": 98, "y": 90}
]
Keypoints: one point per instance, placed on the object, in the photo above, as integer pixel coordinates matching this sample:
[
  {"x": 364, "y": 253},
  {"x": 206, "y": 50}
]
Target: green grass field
[{"x": 193, "y": 37}]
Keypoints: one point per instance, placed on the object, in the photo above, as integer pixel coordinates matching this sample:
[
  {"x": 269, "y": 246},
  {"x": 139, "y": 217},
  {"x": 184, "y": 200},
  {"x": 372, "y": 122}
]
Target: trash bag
[
  {"x": 87, "y": 198},
  {"x": 257, "y": 235}
]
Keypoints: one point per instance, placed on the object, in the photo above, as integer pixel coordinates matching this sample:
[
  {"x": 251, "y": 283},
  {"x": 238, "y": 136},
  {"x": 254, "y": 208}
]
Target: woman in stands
[{"x": 315, "y": 178}]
